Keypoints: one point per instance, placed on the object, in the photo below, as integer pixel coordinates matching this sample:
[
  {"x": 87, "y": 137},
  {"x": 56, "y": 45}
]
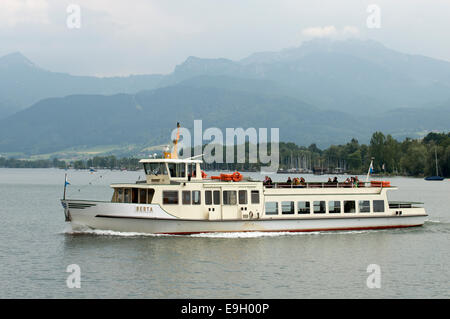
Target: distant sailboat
[{"x": 437, "y": 177}]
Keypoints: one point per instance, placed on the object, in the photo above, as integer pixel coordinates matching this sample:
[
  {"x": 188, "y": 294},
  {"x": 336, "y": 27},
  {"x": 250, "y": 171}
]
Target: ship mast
[{"x": 174, "y": 153}]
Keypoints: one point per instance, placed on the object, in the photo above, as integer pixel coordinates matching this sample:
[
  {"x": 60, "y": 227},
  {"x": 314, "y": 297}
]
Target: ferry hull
[{"x": 125, "y": 219}]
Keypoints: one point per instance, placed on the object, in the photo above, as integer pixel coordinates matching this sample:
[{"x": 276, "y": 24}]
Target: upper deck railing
[{"x": 373, "y": 184}]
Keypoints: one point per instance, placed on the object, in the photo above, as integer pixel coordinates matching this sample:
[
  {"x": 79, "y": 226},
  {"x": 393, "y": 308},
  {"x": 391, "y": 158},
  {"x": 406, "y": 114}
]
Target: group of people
[
  {"x": 334, "y": 181},
  {"x": 296, "y": 181},
  {"x": 301, "y": 181},
  {"x": 352, "y": 180}
]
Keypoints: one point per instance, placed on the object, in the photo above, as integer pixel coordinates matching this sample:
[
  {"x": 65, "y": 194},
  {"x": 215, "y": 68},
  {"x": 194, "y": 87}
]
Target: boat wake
[{"x": 253, "y": 234}]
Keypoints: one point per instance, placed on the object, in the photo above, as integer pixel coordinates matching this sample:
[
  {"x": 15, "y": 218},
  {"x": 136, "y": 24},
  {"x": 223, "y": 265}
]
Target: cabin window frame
[
  {"x": 228, "y": 199},
  {"x": 290, "y": 211},
  {"x": 254, "y": 195},
  {"x": 186, "y": 200},
  {"x": 271, "y": 212},
  {"x": 376, "y": 206},
  {"x": 334, "y": 207},
  {"x": 362, "y": 206},
  {"x": 322, "y": 207},
  {"x": 165, "y": 202},
  {"x": 196, "y": 197},
  {"x": 243, "y": 197},
  {"x": 345, "y": 207},
  {"x": 304, "y": 210}
]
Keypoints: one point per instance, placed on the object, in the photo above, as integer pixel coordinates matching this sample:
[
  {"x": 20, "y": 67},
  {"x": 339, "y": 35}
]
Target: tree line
[{"x": 410, "y": 157}]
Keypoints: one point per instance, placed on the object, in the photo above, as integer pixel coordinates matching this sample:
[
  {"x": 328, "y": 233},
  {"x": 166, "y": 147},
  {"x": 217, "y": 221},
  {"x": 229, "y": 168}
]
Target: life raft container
[
  {"x": 235, "y": 177},
  {"x": 380, "y": 184}
]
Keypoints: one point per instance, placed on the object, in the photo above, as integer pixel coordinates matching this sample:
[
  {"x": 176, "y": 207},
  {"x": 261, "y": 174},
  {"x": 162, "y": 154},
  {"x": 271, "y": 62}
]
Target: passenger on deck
[
  {"x": 335, "y": 180},
  {"x": 296, "y": 181},
  {"x": 329, "y": 181},
  {"x": 302, "y": 181},
  {"x": 289, "y": 181}
]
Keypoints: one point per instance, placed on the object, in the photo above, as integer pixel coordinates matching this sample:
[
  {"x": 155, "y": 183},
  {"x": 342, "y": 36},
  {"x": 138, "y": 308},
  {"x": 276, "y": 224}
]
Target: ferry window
[
  {"x": 378, "y": 206},
  {"x": 349, "y": 206},
  {"x": 243, "y": 197},
  {"x": 287, "y": 207},
  {"x": 319, "y": 207},
  {"x": 271, "y": 208},
  {"x": 177, "y": 169},
  {"x": 303, "y": 207},
  {"x": 216, "y": 197},
  {"x": 142, "y": 196},
  {"x": 208, "y": 197},
  {"x": 255, "y": 197},
  {"x": 170, "y": 197},
  {"x": 186, "y": 197},
  {"x": 229, "y": 197},
  {"x": 134, "y": 195},
  {"x": 126, "y": 197},
  {"x": 191, "y": 170},
  {"x": 196, "y": 198},
  {"x": 151, "y": 192},
  {"x": 334, "y": 207},
  {"x": 364, "y": 206},
  {"x": 155, "y": 168},
  {"x": 120, "y": 195}
]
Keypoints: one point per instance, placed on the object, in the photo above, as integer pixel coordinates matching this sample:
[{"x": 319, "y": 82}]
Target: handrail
[{"x": 325, "y": 185}]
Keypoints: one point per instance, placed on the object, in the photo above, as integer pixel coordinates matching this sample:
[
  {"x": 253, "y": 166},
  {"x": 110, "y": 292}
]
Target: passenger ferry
[{"x": 177, "y": 197}]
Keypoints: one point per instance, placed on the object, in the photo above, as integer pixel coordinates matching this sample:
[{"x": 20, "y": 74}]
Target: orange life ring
[
  {"x": 237, "y": 177},
  {"x": 204, "y": 174}
]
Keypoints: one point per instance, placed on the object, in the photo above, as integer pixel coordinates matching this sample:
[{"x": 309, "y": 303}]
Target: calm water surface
[{"x": 36, "y": 246}]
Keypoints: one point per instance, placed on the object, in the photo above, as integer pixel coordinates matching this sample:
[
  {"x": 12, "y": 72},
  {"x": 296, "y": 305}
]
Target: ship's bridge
[{"x": 166, "y": 170}]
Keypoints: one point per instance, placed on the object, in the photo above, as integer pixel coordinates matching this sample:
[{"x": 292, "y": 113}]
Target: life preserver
[
  {"x": 237, "y": 177},
  {"x": 204, "y": 174}
]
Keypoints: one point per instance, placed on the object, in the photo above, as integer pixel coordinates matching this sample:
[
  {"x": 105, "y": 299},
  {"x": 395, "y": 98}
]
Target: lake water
[{"x": 37, "y": 246}]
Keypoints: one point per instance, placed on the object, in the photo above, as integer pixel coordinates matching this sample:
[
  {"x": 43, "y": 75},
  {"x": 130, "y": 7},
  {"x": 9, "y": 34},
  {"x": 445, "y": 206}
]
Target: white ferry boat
[{"x": 177, "y": 197}]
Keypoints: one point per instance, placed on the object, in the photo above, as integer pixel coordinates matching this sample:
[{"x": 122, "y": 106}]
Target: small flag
[{"x": 66, "y": 182}]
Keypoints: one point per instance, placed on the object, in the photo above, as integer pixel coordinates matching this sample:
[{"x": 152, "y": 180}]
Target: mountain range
[{"x": 324, "y": 92}]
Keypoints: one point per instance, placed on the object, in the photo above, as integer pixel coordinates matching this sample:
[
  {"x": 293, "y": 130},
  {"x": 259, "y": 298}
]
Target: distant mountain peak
[{"x": 16, "y": 59}]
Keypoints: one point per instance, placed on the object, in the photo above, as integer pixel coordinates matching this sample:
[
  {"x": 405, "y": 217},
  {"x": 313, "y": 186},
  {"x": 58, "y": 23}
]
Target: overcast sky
[{"x": 118, "y": 37}]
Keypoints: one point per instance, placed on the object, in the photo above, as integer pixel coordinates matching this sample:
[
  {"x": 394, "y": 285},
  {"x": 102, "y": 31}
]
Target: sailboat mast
[{"x": 435, "y": 155}]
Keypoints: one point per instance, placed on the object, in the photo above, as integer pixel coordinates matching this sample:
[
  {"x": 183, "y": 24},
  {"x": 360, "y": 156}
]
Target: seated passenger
[{"x": 289, "y": 181}]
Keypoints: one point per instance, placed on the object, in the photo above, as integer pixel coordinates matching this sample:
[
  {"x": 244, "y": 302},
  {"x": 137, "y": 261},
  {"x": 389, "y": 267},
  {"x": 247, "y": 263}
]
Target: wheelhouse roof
[{"x": 169, "y": 160}]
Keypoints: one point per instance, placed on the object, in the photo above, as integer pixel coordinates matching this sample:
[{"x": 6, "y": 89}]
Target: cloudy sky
[{"x": 118, "y": 37}]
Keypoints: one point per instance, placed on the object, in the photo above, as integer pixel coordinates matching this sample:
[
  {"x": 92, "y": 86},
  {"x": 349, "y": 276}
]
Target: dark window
[
  {"x": 155, "y": 168},
  {"x": 216, "y": 197},
  {"x": 349, "y": 206},
  {"x": 208, "y": 197},
  {"x": 287, "y": 208},
  {"x": 170, "y": 197},
  {"x": 364, "y": 206},
  {"x": 229, "y": 198},
  {"x": 255, "y": 197},
  {"x": 303, "y": 207},
  {"x": 120, "y": 195},
  {"x": 378, "y": 206},
  {"x": 142, "y": 196},
  {"x": 186, "y": 197},
  {"x": 334, "y": 207},
  {"x": 243, "y": 197},
  {"x": 177, "y": 169},
  {"x": 127, "y": 195},
  {"x": 271, "y": 208},
  {"x": 134, "y": 195},
  {"x": 319, "y": 207}
]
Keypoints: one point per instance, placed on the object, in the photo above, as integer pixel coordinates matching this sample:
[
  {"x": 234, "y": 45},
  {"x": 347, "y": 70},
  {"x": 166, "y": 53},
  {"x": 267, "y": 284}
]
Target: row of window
[
  {"x": 320, "y": 207},
  {"x": 212, "y": 197},
  {"x": 133, "y": 195}
]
